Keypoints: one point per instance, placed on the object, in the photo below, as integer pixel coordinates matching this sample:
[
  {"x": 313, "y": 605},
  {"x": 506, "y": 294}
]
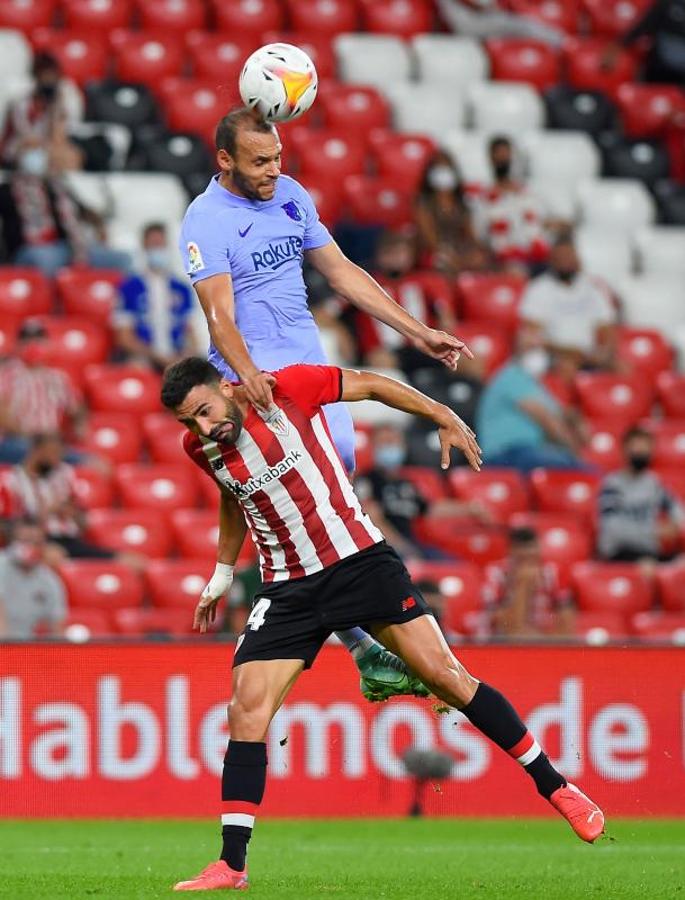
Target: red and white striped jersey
[
  {"x": 38, "y": 398},
  {"x": 286, "y": 473}
]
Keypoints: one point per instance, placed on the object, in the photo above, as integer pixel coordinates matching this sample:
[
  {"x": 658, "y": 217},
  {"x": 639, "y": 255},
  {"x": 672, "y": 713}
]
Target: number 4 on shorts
[{"x": 258, "y": 614}]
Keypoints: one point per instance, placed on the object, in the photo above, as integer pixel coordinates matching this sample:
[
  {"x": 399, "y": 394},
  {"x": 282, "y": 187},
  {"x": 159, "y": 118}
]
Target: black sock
[
  {"x": 242, "y": 789},
  {"x": 494, "y": 715}
]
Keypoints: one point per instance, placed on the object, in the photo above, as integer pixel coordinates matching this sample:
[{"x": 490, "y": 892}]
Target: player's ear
[
  {"x": 224, "y": 160},
  {"x": 226, "y": 388}
]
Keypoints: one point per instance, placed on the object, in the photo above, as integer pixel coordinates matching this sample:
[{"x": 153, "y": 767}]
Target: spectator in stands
[
  {"x": 575, "y": 312},
  {"x": 153, "y": 320},
  {"x": 508, "y": 217},
  {"x": 393, "y": 502},
  {"x": 483, "y": 19},
  {"x": 447, "y": 240},
  {"x": 638, "y": 519},
  {"x": 35, "y": 398},
  {"x": 31, "y": 594},
  {"x": 43, "y": 222},
  {"x": 526, "y": 599},
  {"x": 663, "y": 22},
  {"x": 519, "y": 423}
]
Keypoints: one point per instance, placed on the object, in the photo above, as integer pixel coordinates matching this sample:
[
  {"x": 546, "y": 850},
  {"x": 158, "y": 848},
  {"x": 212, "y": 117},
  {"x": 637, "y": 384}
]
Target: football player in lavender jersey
[{"x": 243, "y": 241}]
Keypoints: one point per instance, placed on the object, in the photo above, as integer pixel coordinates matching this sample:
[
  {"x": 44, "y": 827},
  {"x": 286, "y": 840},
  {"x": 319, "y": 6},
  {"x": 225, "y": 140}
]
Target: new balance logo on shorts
[
  {"x": 257, "y": 482},
  {"x": 408, "y": 604}
]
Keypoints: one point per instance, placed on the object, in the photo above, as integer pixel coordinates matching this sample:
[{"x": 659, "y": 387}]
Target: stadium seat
[
  {"x": 563, "y": 539},
  {"x": 9, "y": 326},
  {"x": 566, "y": 156},
  {"x": 573, "y": 110},
  {"x": 462, "y": 586},
  {"x": 321, "y": 152},
  {"x": 82, "y": 56},
  {"x": 669, "y": 441},
  {"x": 178, "y": 16},
  {"x": 429, "y": 483},
  {"x": 653, "y": 301},
  {"x": 504, "y": 107},
  {"x": 75, "y": 342},
  {"x": 24, "y": 292},
  {"x": 318, "y": 47},
  {"x": 611, "y": 587},
  {"x": 177, "y": 582},
  {"x": 612, "y": 18},
  {"x": 97, "y": 15},
  {"x": 660, "y": 250},
  {"x": 494, "y": 298},
  {"x": 460, "y": 393},
  {"x": 25, "y": 15},
  {"x": 163, "y": 438},
  {"x": 86, "y": 292},
  {"x": 621, "y": 398},
  {"x": 153, "y": 623},
  {"x": 585, "y": 69},
  {"x": 450, "y": 59},
  {"x": 378, "y": 201},
  {"x": 599, "y": 627},
  {"x": 615, "y": 203},
  {"x": 130, "y": 530},
  {"x": 518, "y": 59},
  {"x": 219, "y": 56},
  {"x": 603, "y": 448},
  {"x": 490, "y": 343},
  {"x": 659, "y": 626},
  {"x": 397, "y": 17},
  {"x": 671, "y": 394},
  {"x": 671, "y": 200},
  {"x": 115, "y": 436},
  {"x": 459, "y": 537},
  {"x": 327, "y": 197},
  {"x": 137, "y": 193},
  {"x": 402, "y": 156},
  {"x": 196, "y": 532},
  {"x": 607, "y": 255},
  {"x": 101, "y": 583},
  {"x": 131, "y": 105},
  {"x": 670, "y": 579},
  {"x": 83, "y": 624},
  {"x": 470, "y": 149},
  {"x": 561, "y": 14},
  {"x": 128, "y": 389},
  {"x": 162, "y": 487},
  {"x": 645, "y": 350},
  {"x": 15, "y": 53},
  {"x": 502, "y": 492},
  {"x": 353, "y": 107},
  {"x": 372, "y": 59},
  {"x": 647, "y": 109},
  {"x": 419, "y": 107},
  {"x": 195, "y": 105},
  {"x": 559, "y": 491},
  {"x": 323, "y": 17},
  {"x": 147, "y": 57},
  {"x": 179, "y": 154},
  {"x": 93, "y": 488},
  {"x": 248, "y": 17},
  {"x": 557, "y": 197},
  {"x": 645, "y": 161}
]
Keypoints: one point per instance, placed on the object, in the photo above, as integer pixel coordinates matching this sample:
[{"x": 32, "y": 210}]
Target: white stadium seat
[
  {"x": 605, "y": 253},
  {"x": 421, "y": 107},
  {"x": 621, "y": 203},
  {"x": 661, "y": 250},
  {"x": 557, "y": 197},
  {"x": 13, "y": 88},
  {"x": 470, "y": 152},
  {"x": 372, "y": 59},
  {"x": 15, "y": 55},
  {"x": 651, "y": 301},
  {"x": 504, "y": 107},
  {"x": 444, "y": 58},
  {"x": 562, "y": 155}
]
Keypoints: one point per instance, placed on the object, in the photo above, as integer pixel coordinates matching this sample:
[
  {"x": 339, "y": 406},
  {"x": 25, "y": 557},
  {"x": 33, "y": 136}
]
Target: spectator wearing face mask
[
  {"x": 153, "y": 319},
  {"x": 663, "y": 23},
  {"x": 447, "y": 240},
  {"x": 483, "y": 19},
  {"x": 519, "y": 423},
  {"x": 31, "y": 594},
  {"x": 638, "y": 518}
]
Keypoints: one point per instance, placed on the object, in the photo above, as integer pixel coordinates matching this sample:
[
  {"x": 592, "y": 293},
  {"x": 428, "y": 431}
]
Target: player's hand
[
  {"x": 443, "y": 346},
  {"x": 258, "y": 389},
  {"x": 456, "y": 433},
  {"x": 216, "y": 588}
]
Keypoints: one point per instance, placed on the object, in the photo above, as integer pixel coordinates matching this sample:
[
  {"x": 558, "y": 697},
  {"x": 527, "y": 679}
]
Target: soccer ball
[{"x": 279, "y": 81}]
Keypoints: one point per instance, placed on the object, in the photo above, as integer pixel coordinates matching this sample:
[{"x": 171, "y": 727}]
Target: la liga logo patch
[{"x": 195, "y": 260}]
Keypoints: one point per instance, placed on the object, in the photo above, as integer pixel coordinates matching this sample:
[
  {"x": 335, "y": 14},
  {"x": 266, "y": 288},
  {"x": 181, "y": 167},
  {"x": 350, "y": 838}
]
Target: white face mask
[
  {"x": 157, "y": 258},
  {"x": 34, "y": 161},
  {"x": 535, "y": 361},
  {"x": 442, "y": 178}
]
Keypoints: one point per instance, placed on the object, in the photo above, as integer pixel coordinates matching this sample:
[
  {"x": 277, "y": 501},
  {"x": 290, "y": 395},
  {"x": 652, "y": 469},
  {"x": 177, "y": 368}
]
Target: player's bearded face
[
  {"x": 227, "y": 430},
  {"x": 256, "y": 165}
]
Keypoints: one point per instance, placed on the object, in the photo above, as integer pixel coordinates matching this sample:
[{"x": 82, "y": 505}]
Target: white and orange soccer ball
[{"x": 279, "y": 81}]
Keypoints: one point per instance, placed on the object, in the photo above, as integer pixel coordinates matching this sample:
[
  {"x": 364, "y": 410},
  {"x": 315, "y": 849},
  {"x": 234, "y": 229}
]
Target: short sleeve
[
  {"x": 315, "y": 233},
  {"x": 310, "y": 387},
  {"x": 535, "y": 303},
  {"x": 203, "y": 247},
  {"x": 604, "y": 309}
]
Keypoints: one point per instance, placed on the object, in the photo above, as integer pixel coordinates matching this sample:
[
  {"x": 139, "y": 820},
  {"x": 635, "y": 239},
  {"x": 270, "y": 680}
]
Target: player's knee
[{"x": 248, "y": 717}]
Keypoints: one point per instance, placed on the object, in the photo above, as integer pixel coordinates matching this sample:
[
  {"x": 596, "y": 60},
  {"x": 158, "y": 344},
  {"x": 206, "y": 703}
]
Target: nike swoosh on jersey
[{"x": 243, "y": 233}]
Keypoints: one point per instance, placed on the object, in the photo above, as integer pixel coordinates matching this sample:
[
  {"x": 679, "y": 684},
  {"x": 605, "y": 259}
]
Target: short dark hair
[
  {"x": 637, "y": 432},
  {"x": 226, "y": 136},
  {"x": 44, "y": 61},
  {"x": 153, "y": 226},
  {"x": 181, "y": 377},
  {"x": 523, "y": 536},
  {"x": 499, "y": 140}
]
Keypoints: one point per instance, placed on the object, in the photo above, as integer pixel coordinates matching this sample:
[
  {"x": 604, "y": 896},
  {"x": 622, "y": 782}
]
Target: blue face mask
[
  {"x": 389, "y": 456},
  {"x": 34, "y": 161},
  {"x": 157, "y": 258}
]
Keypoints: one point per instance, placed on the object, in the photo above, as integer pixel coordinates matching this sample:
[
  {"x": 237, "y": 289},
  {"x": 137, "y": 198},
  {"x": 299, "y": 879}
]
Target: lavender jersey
[{"x": 260, "y": 244}]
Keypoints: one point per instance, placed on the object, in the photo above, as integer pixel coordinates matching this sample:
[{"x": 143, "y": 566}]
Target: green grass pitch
[{"x": 361, "y": 859}]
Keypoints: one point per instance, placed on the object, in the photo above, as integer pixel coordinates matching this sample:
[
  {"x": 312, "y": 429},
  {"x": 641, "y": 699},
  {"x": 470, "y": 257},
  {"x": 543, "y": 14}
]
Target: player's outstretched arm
[
  {"x": 452, "y": 431},
  {"x": 216, "y": 298},
  {"x": 357, "y": 286},
  {"x": 232, "y": 528}
]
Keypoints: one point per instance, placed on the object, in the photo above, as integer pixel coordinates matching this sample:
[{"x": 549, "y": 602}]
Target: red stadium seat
[
  {"x": 147, "y": 57},
  {"x": 492, "y": 298},
  {"x": 177, "y": 582},
  {"x": 116, "y": 436},
  {"x": 673, "y": 480},
  {"x": 502, "y": 491},
  {"x": 137, "y": 622},
  {"x": 248, "y": 17},
  {"x": 659, "y": 626},
  {"x": 323, "y": 17},
  {"x": 209, "y": 490},
  {"x": 82, "y": 56},
  {"x": 178, "y": 16},
  {"x": 24, "y": 292},
  {"x": 560, "y": 491},
  {"x": 25, "y": 15},
  {"x": 163, "y": 436},
  {"x": 196, "y": 532},
  {"x": 327, "y": 196},
  {"x": 97, "y": 15},
  {"x": 397, "y": 17},
  {"x": 562, "y": 14},
  {"x": 517, "y": 59},
  {"x": 458, "y": 537},
  {"x": 323, "y": 152},
  {"x": 195, "y": 105},
  {"x": 612, "y": 18},
  {"x": 598, "y": 627},
  {"x": 430, "y": 483},
  {"x": 645, "y": 350},
  {"x": 317, "y": 46},
  {"x": 219, "y": 56},
  {"x": 564, "y": 539},
  {"x": 353, "y": 108},
  {"x": 620, "y": 398},
  {"x": 378, "y": 201},
  {"x": 159, "y": 487},
  {"x": 671, "y": 394},
  {"x": 93, "y": 488},
  {"x": 75, "y": 341},
  {"x": 647, "y": 109},
  {"x": 401, "y": 156},
  {"x": 363, "y": 447},
  {"x": 669, "y": 445},
  {"x": 128, "y": 389},
  {"x": 670, "y": 579},
  {"x": 88, "y": 292},
  {"x": 586, "y": 71},
  {"x": 603, "y": 448},
  {"x": 96, "y": 622},
  {"x": 101, "y": 583},
  {"x": 611, "y": 587},
  {"x": 461, "y": 584},
  {"x": 9, "y": 326},
  {"x": 490, "y": 344},
  {"x": 130, "y": 530}
]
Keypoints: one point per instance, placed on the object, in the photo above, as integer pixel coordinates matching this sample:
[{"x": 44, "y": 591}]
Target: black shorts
[{"x": 293, "y": 619}]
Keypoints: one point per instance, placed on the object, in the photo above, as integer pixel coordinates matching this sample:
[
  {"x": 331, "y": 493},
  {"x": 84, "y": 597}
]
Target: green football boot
[{"x": 384, "y": 675}]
